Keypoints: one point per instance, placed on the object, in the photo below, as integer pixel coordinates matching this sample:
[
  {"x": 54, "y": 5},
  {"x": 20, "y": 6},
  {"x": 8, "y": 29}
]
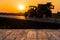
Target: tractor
[{"x": 40, "y": 10}]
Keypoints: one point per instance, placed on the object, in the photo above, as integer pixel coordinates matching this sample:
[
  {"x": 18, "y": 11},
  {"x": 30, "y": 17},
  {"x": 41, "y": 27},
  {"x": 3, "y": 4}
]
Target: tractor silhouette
[{"x": 40, "y": 10}]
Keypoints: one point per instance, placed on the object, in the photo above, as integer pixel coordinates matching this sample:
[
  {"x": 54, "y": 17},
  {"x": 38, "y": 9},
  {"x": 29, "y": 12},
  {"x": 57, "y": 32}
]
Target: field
[{"x": 10, "y": 23}]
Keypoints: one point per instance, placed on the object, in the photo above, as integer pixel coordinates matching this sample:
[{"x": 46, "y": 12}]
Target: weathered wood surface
[{"x": 29, "y": 34}]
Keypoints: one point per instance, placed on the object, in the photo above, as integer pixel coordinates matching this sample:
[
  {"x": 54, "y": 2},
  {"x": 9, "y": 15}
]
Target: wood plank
[{"x": 27, "y": 34}]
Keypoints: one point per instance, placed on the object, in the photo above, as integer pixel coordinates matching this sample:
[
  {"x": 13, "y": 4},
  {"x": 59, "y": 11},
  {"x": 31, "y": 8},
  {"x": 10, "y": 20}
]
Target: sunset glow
[
  {"x": 14, "y": 5},
  {"x": 21, "y": 7}
]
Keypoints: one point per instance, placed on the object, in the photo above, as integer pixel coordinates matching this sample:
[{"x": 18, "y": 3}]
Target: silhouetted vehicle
[{"x": 40, "y": 10}]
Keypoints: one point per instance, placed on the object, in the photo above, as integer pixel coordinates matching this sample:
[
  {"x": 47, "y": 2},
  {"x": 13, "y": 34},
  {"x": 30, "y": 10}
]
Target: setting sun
[
  {"x": 15, "y": 6},
  {"x": 21, "y": 7}
]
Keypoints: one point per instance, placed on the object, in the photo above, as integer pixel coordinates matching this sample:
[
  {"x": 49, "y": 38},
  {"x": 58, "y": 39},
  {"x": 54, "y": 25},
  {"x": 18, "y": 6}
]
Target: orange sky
[{"x": 12, "y": 5}]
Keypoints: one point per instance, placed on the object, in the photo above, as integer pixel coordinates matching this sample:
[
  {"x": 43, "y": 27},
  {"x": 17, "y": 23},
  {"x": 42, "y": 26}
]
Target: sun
[{"x": 21, "y": 7}]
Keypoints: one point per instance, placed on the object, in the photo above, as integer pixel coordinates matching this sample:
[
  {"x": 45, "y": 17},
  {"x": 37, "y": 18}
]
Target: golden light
[{"x": 21, "y": 7}]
